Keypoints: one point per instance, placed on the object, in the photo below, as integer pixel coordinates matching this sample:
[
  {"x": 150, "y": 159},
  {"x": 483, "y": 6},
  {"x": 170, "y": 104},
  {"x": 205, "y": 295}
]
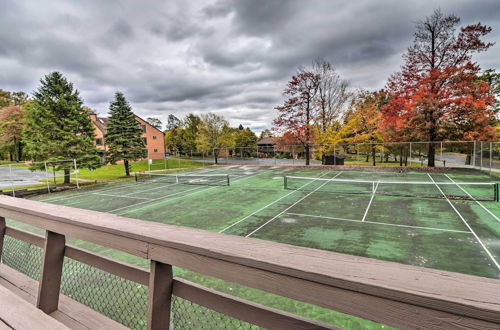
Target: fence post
[
  {"x": 474, "y": 154},
  {"x": 50, "y": 275},
  {"x": 47, "y": 176},
  {"x": 442, "y": 151},
  {"x": 334, "y": 157},
  {"x": 491, "y": 155},
  {"x": 481, "y": 156},
  {"x": 3, "y": 227},
  {"x": 410, "y": 154},
  {"x": 159, "y": 295},
  {"x": 76, "y": 174},
  {"x": 12, "y": 181}
]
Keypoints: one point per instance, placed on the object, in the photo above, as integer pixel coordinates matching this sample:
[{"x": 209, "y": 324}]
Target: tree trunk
[
  {"x": 20, "y": 151},
  {"x": 431, "y": 154},
  {"x": 217, "y": 161},
  {"x": 373, "y": 156},
  {"x": 127, "y": 167},
  {"x": 367, "y": 157},
  {"x": 67, "y": 176},
  {"x": 401, "y": 156},
  {"x": 308, "y": 156}
]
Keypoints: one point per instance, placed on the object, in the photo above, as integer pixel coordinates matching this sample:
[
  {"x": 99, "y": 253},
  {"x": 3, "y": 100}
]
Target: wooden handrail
[
  {"x": 238, "y": 308},
  {"x": 386, "y": 292}
]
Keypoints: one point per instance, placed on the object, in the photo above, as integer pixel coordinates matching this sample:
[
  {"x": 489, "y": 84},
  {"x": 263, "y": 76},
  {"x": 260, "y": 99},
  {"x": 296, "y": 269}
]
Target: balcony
[{"x": 45, "y": 282}]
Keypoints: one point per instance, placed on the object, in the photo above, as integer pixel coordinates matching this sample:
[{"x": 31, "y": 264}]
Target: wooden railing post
[
  {"x": 3, "y": 227},
  {"x": 50, "y": 277},
  {"x": 160, "y": 295}
]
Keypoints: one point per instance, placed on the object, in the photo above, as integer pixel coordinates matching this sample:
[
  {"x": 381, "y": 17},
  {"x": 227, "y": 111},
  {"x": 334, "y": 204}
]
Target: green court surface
[{"x": 439, "y": 231}]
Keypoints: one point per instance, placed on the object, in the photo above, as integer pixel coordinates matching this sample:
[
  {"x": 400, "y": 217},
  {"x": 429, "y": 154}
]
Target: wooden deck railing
[{"x": 389, "y": 293}]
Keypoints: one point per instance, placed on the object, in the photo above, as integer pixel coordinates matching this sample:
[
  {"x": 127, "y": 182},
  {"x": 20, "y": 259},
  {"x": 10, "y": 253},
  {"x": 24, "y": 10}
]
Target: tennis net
[
  {"x": 195, "y": 179},
  {"x": 481, "y": 191}
]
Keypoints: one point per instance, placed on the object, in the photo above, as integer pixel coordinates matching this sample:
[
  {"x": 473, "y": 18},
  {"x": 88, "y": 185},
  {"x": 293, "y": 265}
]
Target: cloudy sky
[{"x": 228, "y": 57}]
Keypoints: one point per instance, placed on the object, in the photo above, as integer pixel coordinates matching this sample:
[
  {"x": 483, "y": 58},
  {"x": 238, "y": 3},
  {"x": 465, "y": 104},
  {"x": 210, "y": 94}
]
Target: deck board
[{"x": 71, "y": 313}]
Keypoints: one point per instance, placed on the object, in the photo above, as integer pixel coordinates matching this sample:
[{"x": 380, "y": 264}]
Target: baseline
[{"x": 380, "y": 223}]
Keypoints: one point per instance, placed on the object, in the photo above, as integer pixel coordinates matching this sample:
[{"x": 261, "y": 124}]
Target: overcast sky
[{"x": 229, "y": 57}]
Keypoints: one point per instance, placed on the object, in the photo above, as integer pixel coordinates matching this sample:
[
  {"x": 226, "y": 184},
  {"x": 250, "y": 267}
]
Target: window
[
  {"x": 154, "y": 137},
  {"x": 143, "y": 127},
  {"x": 98, "y": 141},
  {"x": 145, "y": 140},
  {"x": 156, "y": 150}
]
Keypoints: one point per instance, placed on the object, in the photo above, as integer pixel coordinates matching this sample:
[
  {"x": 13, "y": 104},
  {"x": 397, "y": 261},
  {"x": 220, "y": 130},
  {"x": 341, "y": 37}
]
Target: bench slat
[{"x": 19, "y": 314}]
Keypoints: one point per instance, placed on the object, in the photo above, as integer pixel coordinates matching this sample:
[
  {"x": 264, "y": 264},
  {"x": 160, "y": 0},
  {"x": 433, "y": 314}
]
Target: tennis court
[{"x": 420, "y": 218}]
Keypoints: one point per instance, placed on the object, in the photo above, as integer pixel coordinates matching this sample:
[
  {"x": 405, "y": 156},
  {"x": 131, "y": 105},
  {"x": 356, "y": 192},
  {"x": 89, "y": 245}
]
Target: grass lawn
[{"x": 117, "y": 172}]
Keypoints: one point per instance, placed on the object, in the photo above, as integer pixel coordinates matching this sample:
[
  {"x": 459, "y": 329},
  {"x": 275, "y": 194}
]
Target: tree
[
  {"x": 214, "y": 133},
  {"x": 267, "y": 133},
  {"x": 191, "y": 125},
  {"x": 58, "y": 128},
  {"x": 246, "y": 140},
  {"x": 155, "y": 122},
  {"x": 12, "y": 124},
  {"x": 12, "y": 98},
  {"x": 123, "y": 135},
  {"x": 330, "y": 101},
  {"x": 437, "y": 95},
  {"x": 362, "y": 121},
  {"x": 296, "y": 114},
  {"x": 173, "y": 122},
  {"x": 241, "y": 127},
  {"x": 493, "y": 80}
]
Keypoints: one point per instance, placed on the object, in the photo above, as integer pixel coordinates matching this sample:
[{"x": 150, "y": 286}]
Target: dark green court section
[
  {"x": 430, "y": 232},
  {"x": 454, "y": 235}
]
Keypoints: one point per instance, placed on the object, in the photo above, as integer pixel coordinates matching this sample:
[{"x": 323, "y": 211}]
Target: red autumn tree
[
  {"x": 297, "y": 112},
  {"x": 437, "y": 95}
]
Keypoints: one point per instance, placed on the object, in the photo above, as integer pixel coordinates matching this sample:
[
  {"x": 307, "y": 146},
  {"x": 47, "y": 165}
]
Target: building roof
[
  {"x": 102, "y": 122},
  {"x": 268, "y": 140}
]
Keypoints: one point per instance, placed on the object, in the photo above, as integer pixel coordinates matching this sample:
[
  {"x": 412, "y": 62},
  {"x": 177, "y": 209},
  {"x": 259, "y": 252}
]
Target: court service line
[
  {"x": 172, "y": 184},
  {"x": 121, "y": 196},
  {"x": 466, "y": 223},
  {"x": 298, "y": 201},
  {"x": 160, "y": 198},
  {"x": 381, "y": 223},
  {"x": 371, "y": 200},
  {"x": 262, "y": 208},
  {"x": 484, "y": 207}
]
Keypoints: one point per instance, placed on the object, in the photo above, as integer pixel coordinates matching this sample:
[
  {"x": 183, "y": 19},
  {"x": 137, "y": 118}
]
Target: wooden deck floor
[{"x": 71, "y": 314}]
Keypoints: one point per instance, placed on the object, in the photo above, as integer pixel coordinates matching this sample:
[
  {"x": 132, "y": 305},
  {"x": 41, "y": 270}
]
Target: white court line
[
  {"x": 493, "y": 215},
  {"x": 118, "y": 186},
  {"x": 371, "y": 200},
  {"x": 153, "y": 200},
  {"x": 157, "y": 199},
  {"x": 262, "y": 208},
  {"x": 142, "y": 191},
  {"x": 121, "y": 196},
  {"x": 381, "y": 223},
  {"x": 298, "y": 201},
  {"x": 465, "y": 222}
]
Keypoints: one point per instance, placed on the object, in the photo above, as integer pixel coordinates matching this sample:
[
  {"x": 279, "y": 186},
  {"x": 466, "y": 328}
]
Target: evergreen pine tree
[
  {"x": 123, "y": 136},
  {"x": 58, "y": 128}
]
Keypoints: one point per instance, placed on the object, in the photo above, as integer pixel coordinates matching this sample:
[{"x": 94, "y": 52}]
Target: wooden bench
[{"x": 16, "y": 313}]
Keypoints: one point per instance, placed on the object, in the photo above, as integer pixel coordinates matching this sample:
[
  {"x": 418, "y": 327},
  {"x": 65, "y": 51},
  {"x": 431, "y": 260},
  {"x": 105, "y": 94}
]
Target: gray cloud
[{"x": 232, "y": 57}]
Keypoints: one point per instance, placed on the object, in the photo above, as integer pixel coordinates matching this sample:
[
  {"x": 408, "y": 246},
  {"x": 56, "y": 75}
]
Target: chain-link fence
[
  {"x": 19, "y": 178},
  {"x": 115, "y": 297},
  {"x": 468, "y": 154},
  {"x": 188, "y": 315}
]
